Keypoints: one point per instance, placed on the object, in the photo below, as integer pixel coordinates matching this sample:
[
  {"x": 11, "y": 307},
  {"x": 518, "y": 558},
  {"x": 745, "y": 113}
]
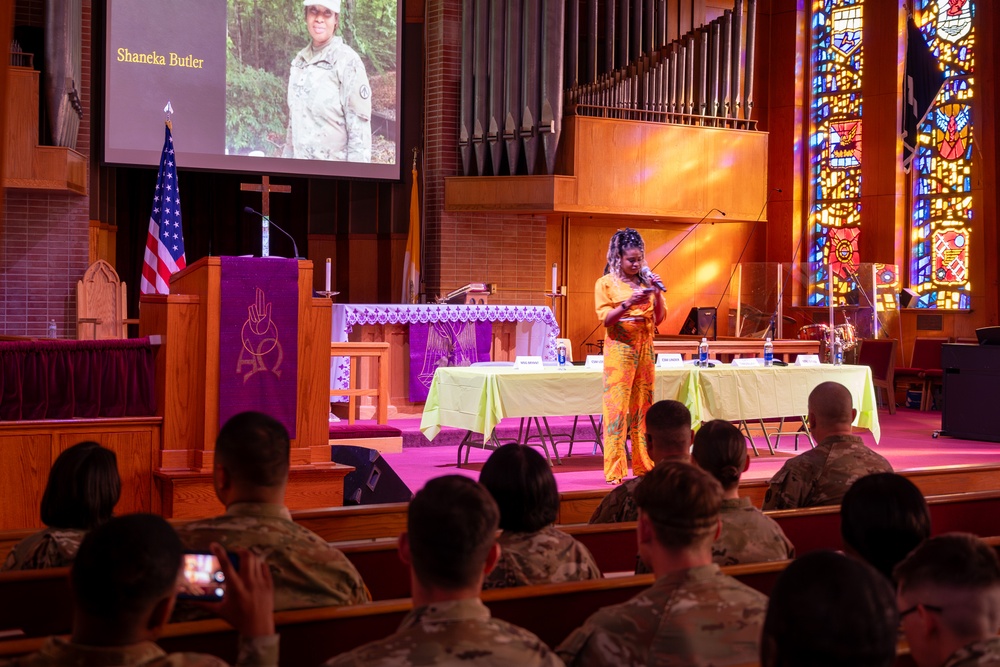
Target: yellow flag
[{"x": 411, "y": 260}]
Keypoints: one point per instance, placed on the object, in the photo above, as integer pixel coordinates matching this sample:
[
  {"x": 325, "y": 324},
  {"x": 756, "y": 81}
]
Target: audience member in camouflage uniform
[
  {"x": 450, "y": 545},
  {"x": 80, "y": 495},
  {"x": 251, "y": 473},
  {"x": 822, "y": 475},
  {"x": 748, "y": 535},
  {"x": 829, "y": 610},
  {"x": 124, "y": 581},
  {"x": 668, "y": 436},
  {"x": 693, "y": 614},
  {"x": 533, "y": 551},
  {"x": 883, "y": 517},
  {"x": 329, "y": 99},
  {"x": 949, "y": 601}
]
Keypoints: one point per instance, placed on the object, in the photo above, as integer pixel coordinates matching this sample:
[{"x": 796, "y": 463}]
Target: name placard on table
[
  {"x": 528, "y": 363},
  {"x": 669, "y": 360},
  {"x": 807, "y": 360},
  {"x": 749, "y": 362},
  {"x": 595, "y": 362}
]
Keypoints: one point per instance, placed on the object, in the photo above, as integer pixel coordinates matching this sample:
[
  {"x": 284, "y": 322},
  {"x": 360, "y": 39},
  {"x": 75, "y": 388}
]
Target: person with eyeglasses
[
  {"x": 949, "y": 602},
  {"x": 329, "y": 97}
]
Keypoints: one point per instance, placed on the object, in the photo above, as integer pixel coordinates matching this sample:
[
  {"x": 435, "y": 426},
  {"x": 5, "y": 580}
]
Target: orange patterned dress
[{"x": 629, "y": 369}]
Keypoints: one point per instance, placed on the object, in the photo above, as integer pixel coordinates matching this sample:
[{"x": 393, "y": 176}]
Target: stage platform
[{"x": 906, "y": 442}]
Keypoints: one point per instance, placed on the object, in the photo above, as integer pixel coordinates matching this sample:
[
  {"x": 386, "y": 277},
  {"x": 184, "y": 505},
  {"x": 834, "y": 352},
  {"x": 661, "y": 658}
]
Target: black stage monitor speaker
[
  {"x": 988, "y": 335},
  {"x": 373, "y": 481},
  {"x": 908, "y": 298},
  {"x": 700, "y": 322}
]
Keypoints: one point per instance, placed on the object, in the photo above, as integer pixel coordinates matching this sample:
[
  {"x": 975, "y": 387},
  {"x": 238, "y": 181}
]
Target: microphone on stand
[{"x": 295, "y": 247}]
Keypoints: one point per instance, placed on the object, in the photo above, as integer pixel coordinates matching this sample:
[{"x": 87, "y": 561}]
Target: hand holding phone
[
  {"x": 248, "y": 604},
  {"x": 202, "y": 577}
]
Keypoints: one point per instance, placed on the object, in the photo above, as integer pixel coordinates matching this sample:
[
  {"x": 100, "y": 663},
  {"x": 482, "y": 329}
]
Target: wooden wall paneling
[
  {"x": 504, "y": 341},
  {"x": 986, "y": 115},
  {"x": 24, "y": 469},
  {"x": 883, "y": 214},
  {"x": 6, "y": 29},
  {"x": 629, "y": 167},
  {"x": 784, "y": 30},
  {"x": 21, "y": 135},
  {"x": 315, "y": 321},
  {"x": 364, "y": 265},
  {"x": 28, "y": 448},
  {"x": 322, "y": 246},
  {"x": 136, "y": 455},
  {"x": 179, "y": 394},
  {"x": 203, "y": 279}
]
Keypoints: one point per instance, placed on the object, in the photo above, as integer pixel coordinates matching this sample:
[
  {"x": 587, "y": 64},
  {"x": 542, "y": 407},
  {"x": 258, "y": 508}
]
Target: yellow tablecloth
[
  {"x": 477, "y": 398},
  {"x": 731, "y": 393}
]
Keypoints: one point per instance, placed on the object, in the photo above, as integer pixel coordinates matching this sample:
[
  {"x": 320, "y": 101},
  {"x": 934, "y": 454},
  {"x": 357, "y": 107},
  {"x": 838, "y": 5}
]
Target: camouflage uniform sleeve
[
  {"x": 357, "y": 100},
  {"x": 591, "y": 646},
  {"x": 782, "y": 492},
  {"x": 258, "y": 651},
  {"x": 613, "y": 505}
]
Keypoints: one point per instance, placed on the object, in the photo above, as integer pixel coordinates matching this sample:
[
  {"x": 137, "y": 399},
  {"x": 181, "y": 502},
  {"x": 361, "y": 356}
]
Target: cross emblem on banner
[{"x": 265, "y": 188}]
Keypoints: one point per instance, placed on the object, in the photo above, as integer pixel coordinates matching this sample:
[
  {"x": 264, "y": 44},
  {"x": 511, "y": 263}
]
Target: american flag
[{"x": 165, "y": 241}]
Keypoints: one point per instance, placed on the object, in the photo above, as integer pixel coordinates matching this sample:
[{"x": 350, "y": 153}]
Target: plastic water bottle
[
  {"x": 703, "y": 352},
  {"x": 561, "y": 356},
  {"x": 768, "y": 352},
  {"x": 838, "y": 350},
  {"x": 53, "y": 331}
]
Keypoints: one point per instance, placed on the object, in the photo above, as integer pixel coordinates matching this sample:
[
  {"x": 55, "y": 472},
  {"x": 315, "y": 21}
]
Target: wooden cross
[{"x": 265, "y": 188}]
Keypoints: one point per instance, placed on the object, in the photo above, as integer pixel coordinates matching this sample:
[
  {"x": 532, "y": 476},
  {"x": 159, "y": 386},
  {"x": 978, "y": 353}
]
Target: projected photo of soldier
[{"x": 329, "y": 97}]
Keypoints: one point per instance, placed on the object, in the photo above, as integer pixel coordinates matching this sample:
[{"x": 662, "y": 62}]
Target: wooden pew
[
  {"x": 310, "y": 636},
  {"x": 338, "y": 524},
  {"x": 577, "y": 506},
  {"x": 613, "y": 547}
]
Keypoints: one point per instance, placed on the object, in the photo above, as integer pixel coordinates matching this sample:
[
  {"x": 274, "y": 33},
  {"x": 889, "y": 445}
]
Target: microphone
[
  {"x": 647, "y": 277},
  {"x": 295, "y": 247}
]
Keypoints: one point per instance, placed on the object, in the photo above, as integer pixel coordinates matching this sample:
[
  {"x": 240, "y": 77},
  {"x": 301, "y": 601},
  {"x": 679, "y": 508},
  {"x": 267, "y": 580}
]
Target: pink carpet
[{"x": 906, "y": 442}]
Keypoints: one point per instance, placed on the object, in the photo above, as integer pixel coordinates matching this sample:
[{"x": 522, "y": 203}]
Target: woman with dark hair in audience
[
  {"x": 81, "y": 493},
  {"x": 829, "y": 610},
  {"x": 883, "y": 517},
  {"x": 533, "y": 551},
  {"x": 748, "y": 535}
]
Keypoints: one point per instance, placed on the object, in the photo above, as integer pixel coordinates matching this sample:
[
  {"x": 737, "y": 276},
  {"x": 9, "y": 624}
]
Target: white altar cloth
[{"x": 537, "y": 329}]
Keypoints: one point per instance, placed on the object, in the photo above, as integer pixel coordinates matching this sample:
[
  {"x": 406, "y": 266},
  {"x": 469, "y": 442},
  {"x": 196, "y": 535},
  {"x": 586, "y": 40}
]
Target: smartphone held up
[{"x": 202, "y": 577}]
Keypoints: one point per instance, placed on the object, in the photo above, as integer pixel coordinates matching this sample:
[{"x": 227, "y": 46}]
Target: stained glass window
[
  {"x": 886, "y": 287},
  {"x": 835, "y": 149},
  {"x": 942, "y": 173}
]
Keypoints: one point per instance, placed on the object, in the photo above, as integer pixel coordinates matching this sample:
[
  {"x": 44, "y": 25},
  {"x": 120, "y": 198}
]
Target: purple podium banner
[
  {"x": 445, "y": 344},
  {"x": 259, "y": 338}
]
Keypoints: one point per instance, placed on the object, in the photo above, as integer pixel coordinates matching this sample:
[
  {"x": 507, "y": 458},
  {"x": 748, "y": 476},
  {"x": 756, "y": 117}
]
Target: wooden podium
[{"x": 187, "y": 391}]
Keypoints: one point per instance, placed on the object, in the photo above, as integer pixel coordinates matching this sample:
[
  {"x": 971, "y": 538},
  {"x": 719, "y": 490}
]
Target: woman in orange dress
[{"x": 630, "y": 308}]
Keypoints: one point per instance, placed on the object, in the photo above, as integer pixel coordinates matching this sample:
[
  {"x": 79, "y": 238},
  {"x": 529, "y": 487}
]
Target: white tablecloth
[{"x": 537, "y": 329}]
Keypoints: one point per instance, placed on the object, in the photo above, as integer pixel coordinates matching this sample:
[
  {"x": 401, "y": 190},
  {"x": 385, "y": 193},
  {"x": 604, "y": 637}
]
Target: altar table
[{"x": 536, "y": 333}]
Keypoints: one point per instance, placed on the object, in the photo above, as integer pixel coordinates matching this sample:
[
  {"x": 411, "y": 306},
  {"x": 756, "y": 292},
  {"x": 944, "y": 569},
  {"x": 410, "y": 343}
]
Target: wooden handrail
[{"x": 355, "y": 351}]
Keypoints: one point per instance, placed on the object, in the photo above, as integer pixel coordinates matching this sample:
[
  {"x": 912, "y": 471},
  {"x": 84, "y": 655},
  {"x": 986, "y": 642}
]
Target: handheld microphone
[
  {"x": 647, "y": 277},
  {"x": 295, "y": 247}
]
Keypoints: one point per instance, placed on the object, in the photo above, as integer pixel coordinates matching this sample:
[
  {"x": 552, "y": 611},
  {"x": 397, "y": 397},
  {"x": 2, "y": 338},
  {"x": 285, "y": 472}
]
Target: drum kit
[{"x": 822, "y": 332}]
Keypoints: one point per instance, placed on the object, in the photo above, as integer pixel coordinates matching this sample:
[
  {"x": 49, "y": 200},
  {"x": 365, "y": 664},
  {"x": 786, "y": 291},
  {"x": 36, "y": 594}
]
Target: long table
[{"x": 476, "y": 398}]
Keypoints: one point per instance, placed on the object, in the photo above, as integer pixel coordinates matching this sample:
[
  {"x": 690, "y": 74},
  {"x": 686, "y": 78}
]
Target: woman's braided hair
[{"x": 622, "y": 240}]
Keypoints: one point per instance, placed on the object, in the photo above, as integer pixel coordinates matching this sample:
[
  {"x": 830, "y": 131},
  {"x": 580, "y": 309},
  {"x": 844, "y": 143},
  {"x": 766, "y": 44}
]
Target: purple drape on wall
[{"x": 76, "y": 379}]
